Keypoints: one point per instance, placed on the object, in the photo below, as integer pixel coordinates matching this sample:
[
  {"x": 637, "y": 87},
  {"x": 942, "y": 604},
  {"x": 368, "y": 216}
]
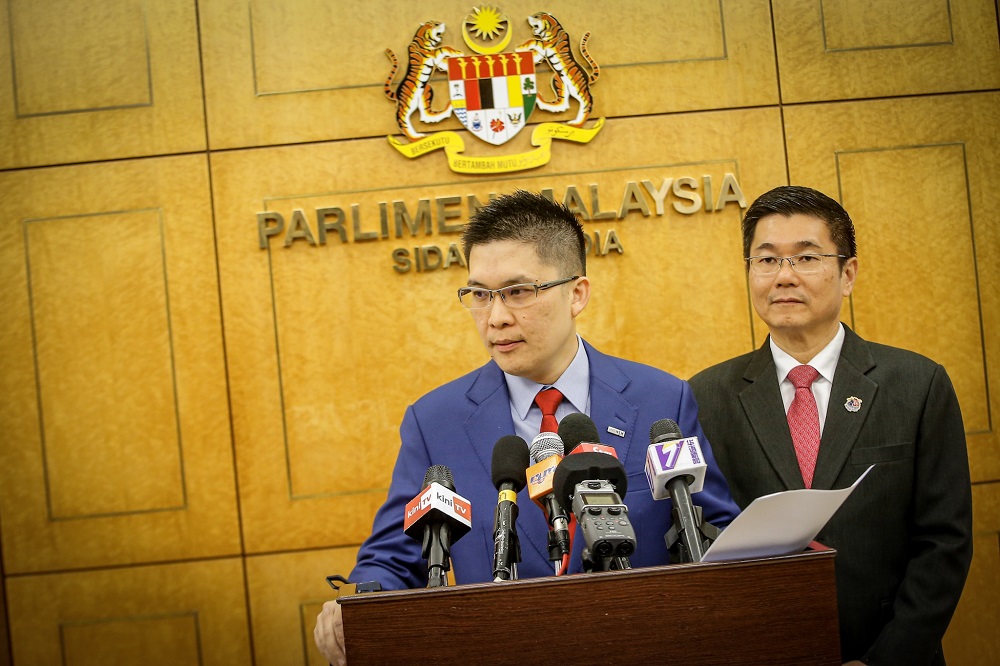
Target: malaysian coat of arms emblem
[
  {"x": 492, "y": 92},
  {"x": 492, "y": 95}
]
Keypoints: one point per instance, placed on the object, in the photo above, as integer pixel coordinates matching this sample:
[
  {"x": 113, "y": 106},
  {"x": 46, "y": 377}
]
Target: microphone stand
[
  {"x": 436, "y": 550},
  {"x": 677, "y": 538}
]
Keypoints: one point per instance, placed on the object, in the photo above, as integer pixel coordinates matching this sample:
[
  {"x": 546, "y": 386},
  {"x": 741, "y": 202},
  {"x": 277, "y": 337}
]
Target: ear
[
  {"x": 580, "y": 295},
  {"x": 848, "y": 275}
]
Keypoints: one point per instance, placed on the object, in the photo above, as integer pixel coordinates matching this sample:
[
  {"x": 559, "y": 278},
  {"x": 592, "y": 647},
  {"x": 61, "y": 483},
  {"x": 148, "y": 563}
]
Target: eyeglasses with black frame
[
  {"x": 805, "y": 264},
  {"x": 514, "y": 296}
]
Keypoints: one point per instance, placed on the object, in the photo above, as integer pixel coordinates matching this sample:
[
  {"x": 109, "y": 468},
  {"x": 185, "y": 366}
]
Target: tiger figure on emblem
[
  {"x": 426, "y": 54},
  {"x": 569, "y": 80}
]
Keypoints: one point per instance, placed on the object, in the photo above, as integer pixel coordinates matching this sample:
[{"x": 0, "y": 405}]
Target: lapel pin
[
  {"x": 853, "y": 404},
  {"x": 616, "y": 431}
]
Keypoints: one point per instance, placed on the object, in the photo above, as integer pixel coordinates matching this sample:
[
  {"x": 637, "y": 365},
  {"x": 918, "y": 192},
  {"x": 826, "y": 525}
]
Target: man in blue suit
[{"x": 527, "y": 285}]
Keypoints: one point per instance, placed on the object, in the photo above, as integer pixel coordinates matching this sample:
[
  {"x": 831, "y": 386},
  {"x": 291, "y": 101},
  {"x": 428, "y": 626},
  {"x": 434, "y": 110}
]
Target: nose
[{"x": 500, "y": 314}]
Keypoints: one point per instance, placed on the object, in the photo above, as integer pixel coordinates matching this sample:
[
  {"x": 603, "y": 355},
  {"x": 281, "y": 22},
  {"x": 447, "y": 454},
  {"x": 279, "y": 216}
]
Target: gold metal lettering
[
  {"x": 595, "y": 204},
  {"x": 298, "y": 228},
  {"x": 264, "y": 232},
  {"x": 632, "y": 199},
  {"x": 688, "y": 195},
  {"x": 730, "y": 191},
  {"x": 658, "y": 194},
  {"x": 323, "y": 225}
]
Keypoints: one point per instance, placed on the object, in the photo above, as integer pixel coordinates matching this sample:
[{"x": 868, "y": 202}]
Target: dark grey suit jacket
[{"x": 904, "y": 536}]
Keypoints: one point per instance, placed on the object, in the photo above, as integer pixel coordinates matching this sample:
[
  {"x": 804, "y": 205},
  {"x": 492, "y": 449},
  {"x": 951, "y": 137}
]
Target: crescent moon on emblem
[{"x": 487, "y": 50}]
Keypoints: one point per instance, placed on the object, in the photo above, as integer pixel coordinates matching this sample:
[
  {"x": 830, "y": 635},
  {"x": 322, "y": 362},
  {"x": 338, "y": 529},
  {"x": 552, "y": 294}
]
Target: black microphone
[
  {"x": 510, "y": 462},
  {"x": 547, "y": 450},
  {"x": 576, "y": 428},
  {"x": 592, "y": 483},
  {"x": 437, "y": 517},
  {"x": 675, "y": 467},
  {"x": 579, "y": 435}
]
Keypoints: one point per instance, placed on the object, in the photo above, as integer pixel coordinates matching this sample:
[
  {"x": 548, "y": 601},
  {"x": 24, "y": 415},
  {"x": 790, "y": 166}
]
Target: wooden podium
[{"x": 777, "y": 610}]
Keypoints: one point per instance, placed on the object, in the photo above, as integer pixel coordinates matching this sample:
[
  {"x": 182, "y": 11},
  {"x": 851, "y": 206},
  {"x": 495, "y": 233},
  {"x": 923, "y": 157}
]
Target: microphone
[
  {"x": 580, "y": 435},
  {"x": 546, "y": 450},
  {"x": 592, "y": 482},
  {"x": 675, "y": 468},
  {"x": 510, "y": 462},
  {"x": 437, "y": 517}
]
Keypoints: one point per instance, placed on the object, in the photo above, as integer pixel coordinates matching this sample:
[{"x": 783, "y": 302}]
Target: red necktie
[
  {"x": 803, "y": 420},
  {"x": 547, "y": 400}
]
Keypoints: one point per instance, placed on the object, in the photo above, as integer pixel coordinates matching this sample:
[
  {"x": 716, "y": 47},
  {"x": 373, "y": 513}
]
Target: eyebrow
[
  {"x": 801, "y": 245},
  {"x": 520, "y": 279}
]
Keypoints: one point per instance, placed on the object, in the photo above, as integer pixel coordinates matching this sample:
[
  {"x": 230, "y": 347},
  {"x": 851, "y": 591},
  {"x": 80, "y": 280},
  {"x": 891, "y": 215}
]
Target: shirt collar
[
  {"x": 825, "y": 361},
  {"x": 574, "y": 384}
]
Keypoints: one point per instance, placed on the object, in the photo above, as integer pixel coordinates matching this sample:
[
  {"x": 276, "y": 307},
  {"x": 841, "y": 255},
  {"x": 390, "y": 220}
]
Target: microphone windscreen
[
  {"x": 590, "y": 466},
  {"x": 439, "y": 474},
  {"x": 510, "y": 461},
  {"x": 545, "y": 445},
  {"x": 576, "y": 428},
  {"x": 664, "y": 430}
]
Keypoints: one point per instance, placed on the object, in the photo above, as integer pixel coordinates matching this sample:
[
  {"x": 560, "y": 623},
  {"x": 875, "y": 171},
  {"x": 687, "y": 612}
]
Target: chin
[
  {"x": 505, "y": 364},
  {"x": 782, "y": 323}
]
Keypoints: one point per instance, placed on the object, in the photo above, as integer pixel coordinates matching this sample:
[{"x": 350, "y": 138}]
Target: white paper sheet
[{"x": 778, "y": 524}]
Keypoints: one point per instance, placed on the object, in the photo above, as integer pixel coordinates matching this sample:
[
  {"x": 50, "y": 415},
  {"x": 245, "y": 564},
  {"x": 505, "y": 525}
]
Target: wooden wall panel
[
  {"x": 167, "y": 615},
  {"x": 109, "y": 409},
  {"x": 117, "y": 446},
  {"x": 314, "y": 428},
  {"x": 971, "y": 638},
  {"x": 308, "y": 72},
  {"x": 927, "y": 232},
  {"x": 287, "y": 592},
  {"x": 895, "y": 223},
  {"x": 87, "y": 81},
  {"x": 850, "y": 49},
  {"x": 679, "y": 55}
]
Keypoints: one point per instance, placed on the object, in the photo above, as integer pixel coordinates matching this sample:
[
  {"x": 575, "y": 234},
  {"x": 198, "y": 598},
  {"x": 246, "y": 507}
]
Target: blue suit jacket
[{"x": 458, "y": 424}]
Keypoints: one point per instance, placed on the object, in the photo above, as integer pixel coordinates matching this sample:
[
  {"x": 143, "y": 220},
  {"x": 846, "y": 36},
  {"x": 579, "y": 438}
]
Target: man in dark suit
[
  {"x": 527, "y": 284},
  {"x": 904, "y": 537}
]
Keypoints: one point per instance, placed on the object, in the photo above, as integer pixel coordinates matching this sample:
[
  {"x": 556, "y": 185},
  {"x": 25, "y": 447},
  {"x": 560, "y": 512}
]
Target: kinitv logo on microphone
[
  {"x": 435, "y": 498},
  {"x": 462, "y": 508}
]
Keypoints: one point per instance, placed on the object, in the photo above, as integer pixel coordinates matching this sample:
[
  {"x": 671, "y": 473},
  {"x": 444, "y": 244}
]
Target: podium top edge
[{"x": 816, "y": 554}]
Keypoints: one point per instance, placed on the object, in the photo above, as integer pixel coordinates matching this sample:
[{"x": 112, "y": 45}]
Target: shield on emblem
[{"x": 493, "y": 95}]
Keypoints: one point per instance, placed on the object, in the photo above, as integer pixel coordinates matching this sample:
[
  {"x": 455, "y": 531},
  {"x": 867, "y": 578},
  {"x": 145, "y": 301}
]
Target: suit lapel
[
  {"x": 608, "y": 406},
  {"x": 761, "y": 401},
  {"x": 841, "y": 429},
  {"x": 489, "y": 421}
]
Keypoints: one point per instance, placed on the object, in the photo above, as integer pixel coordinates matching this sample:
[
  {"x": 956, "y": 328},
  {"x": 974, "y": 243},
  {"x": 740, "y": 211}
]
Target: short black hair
[
  {"x": 789, "y": 200},
  {"x": 528, "y": 217}
]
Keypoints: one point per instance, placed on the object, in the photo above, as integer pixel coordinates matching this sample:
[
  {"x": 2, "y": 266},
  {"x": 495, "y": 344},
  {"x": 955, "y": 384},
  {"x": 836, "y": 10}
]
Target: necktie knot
[
  {"x": 802, "y": 376},
  {"x": 548, "y": 400}
]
